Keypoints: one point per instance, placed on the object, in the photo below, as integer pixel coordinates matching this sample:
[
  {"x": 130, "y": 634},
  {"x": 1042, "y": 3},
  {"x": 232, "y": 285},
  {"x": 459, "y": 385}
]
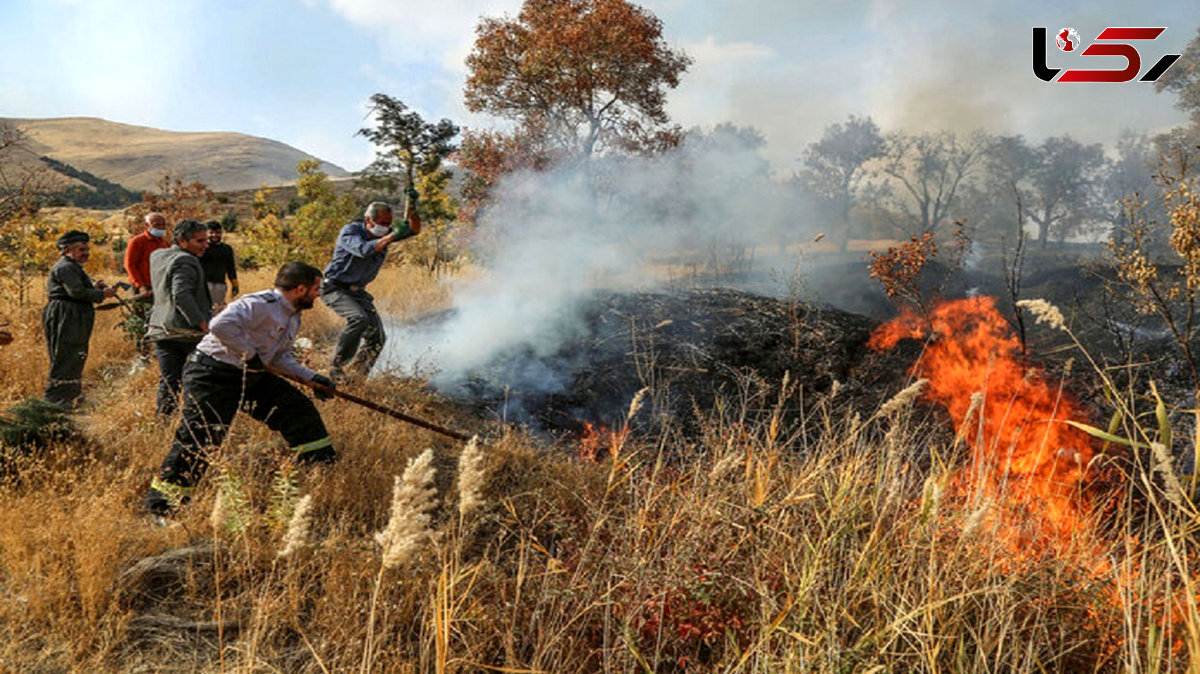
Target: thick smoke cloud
[{"x": 550, "y": 240}]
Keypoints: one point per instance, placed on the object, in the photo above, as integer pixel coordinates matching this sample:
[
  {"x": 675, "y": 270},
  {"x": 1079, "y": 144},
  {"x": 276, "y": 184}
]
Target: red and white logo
[
  {"x": 1067, "y": 39},
  {"x": 1112, "y": 41}
]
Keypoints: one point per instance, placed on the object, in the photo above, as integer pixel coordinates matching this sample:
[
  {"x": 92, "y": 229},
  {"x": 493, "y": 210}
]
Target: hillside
[{"x": 138, "y": 156}]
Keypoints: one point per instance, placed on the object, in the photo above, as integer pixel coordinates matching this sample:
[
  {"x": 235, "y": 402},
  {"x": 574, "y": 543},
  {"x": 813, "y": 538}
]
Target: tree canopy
[{"x": 587, "y": 76}]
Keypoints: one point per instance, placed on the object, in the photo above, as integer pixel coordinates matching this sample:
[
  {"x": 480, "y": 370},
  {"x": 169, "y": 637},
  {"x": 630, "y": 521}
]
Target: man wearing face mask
[
  {"x": 137, "y": 253},
  {"x": 137, "y": 264},
  {"x": 69, "y": 316},
  {"x": 360, "y": 251}
]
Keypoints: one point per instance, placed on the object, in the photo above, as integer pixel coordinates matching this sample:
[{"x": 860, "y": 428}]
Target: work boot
[{"x": 325, "y": 455}]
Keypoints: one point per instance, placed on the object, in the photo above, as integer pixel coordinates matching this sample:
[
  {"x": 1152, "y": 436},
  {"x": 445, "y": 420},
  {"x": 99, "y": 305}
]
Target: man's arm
[
  {"x": 131, "y": 255},
  {"x": 284, "y": 360},
  {"x": 356, "y": 242},
  {"x": 73, "y": 280}
]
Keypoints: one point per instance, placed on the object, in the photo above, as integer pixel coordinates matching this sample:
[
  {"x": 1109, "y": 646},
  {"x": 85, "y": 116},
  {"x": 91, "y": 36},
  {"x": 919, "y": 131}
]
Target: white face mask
[
  {"x": 378, "y": 230},
  {"x": 158, "y": 233}
]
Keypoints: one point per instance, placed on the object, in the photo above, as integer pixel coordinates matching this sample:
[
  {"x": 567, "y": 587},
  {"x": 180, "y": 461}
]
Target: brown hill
[{"x": 137, "y": 157}]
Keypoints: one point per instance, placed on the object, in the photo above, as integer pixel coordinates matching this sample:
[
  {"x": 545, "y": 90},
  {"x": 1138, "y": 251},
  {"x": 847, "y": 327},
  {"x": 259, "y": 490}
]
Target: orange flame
[{"x": 1030, "y": 460}]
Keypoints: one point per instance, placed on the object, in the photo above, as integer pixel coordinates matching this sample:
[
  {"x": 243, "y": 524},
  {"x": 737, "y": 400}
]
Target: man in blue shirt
[{"x": 360, "y": 251}]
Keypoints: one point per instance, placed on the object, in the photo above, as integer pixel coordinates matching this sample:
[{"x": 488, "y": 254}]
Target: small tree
[
  {"x": 309, "y": 234},
  {"x": 587, "y": 75},
  {"x": 176, "y": 200},
  {"x": 406, "y": 144},
  {"x": 439, "y": 212}
]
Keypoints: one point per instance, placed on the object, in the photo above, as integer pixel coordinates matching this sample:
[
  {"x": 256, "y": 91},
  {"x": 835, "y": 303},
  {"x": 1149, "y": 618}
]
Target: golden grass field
[{"x": 731, "y": 552}]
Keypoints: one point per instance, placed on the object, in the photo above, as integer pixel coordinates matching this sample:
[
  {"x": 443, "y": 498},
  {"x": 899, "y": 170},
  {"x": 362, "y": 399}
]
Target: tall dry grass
[{"x": 732, "y": 552}]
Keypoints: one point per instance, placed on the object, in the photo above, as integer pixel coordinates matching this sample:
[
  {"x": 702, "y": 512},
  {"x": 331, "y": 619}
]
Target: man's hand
[
  {"x": 255, "y": 363},
  {"x": 326, "y": 382},
  {"x": 233, "y": 288}
]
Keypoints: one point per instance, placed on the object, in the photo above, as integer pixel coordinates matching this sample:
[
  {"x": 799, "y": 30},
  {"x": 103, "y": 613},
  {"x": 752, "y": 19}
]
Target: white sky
[{"x": 301, "y": 71}]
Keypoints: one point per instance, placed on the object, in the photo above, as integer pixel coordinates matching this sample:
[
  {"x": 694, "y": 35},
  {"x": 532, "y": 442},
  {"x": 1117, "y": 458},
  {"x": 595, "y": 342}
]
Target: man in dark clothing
[
  {"x": 360, "y": 251},
  {"x": 219, "y": 265},
  {"x": 69, "y": 316},
  {"x": 182, "y": 307},
  {"x": 227, "y": 372}
]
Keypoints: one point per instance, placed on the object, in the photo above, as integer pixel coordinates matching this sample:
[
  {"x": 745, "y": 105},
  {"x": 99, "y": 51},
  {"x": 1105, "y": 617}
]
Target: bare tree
[
  {"x": 927, "y": 171},
  {"x": 25, "y": 182}
]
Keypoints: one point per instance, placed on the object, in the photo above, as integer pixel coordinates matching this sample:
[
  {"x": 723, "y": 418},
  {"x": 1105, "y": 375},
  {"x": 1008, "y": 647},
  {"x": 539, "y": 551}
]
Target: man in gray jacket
[{"x": 182, "y": 307}]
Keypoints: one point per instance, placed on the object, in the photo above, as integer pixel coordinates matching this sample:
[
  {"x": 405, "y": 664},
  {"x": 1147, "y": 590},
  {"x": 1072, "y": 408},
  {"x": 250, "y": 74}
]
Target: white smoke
[{"x": 551, "y": 239}]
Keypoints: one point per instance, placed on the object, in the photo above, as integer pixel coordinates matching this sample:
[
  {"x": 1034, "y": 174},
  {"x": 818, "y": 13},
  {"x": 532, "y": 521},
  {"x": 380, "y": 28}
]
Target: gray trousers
[{"x": 363, "y": 325}]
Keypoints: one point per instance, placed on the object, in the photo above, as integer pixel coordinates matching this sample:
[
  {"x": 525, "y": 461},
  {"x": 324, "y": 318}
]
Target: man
[
  {"x": 227, "y": 371},
  {"x": 182, "y": 307},
  {"x": 137, "y": 253},
  {"x": 219, "y": 265},
  {"x": 360, "y": 251},
  {"x": 137, "y": 265},
  {"x": 69, "y": 316}
]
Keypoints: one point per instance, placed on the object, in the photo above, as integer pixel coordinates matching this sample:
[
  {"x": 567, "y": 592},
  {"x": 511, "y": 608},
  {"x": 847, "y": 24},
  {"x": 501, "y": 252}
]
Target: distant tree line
[{"x": 103, "y": 193}]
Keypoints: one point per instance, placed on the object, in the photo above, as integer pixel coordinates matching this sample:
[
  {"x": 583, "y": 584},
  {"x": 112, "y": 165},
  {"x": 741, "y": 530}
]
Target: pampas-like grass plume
[
  {"x": 472, "y": 477},
  {"x": 1044, "y": 312},
  {"x": 412, "y": 499},
  {"x": 217, "y": 517},
  {"x": 903, "y": 398},
  {"x": 1164, "y": 463},
  {"x": 296, "y": 537}
]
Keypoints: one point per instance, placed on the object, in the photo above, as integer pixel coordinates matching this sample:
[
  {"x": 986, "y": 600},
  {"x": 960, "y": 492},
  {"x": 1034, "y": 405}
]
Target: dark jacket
[
  {"x": 181, "y": 299},
  {"x": 218, "y": 263}
]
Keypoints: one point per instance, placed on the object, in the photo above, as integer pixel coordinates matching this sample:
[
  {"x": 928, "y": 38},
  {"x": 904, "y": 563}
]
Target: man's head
[
  {"x": 156, "y": 224},
  {"x": 75, "y": 245},
  {"x": 192, "y": 236},
  {"x": 299, "y": 283},
  {"x": 214, "y": 232},
  {"x": 378, "y": 218}
]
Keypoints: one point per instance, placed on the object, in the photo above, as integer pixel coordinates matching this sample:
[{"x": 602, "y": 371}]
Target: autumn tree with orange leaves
[{"x": 584, "y": 76}]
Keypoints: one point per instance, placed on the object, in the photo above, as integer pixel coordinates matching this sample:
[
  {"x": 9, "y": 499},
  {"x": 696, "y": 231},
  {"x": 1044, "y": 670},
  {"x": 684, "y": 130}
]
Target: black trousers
[
  {"x": 171, "y": 357},
  {"x": 363, "y": 325},
  {"x": 212, "y": 394},
  {"x": 68, "y": 328}
]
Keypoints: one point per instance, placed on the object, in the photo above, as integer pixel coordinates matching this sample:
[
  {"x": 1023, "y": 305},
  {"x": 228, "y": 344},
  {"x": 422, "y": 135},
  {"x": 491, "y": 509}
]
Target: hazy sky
[{"x": 301, "y": 71}]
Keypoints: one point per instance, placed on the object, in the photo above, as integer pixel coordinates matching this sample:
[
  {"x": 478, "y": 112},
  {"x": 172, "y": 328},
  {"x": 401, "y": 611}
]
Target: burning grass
[{"x": 838, "y": 542}]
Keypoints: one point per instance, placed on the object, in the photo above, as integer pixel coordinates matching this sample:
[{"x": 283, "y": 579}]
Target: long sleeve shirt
[
  {"x": 263, "y": 324},
  {"x": 68, "y": 281},
  {"x": 137, "y": 257},
  {"x": 218, "y": 263},
  {"x": 355, "y": 260}
]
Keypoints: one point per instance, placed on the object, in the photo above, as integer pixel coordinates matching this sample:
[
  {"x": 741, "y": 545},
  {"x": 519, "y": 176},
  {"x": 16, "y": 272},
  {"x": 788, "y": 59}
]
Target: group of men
[{"x": 223, "y": 359}]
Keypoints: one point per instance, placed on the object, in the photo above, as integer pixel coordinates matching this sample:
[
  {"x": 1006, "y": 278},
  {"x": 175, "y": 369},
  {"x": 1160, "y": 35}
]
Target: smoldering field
[{"x": 810, "y": 516}]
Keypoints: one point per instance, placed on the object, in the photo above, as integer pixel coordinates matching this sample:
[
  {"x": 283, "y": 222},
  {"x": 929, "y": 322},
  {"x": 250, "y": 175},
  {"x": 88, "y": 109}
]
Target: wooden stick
[{"x": 371, "y": 405}]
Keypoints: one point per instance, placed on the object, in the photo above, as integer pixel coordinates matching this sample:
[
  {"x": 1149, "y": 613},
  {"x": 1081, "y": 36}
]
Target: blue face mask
[{"x": 159, "y": 233}]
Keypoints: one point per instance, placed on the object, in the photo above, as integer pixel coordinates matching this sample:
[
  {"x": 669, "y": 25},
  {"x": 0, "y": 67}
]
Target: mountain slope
[{"x": 137, "y": 157}]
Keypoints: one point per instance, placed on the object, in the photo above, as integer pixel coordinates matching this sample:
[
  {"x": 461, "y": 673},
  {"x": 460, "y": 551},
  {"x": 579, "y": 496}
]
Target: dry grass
[{"x": 732, "y": 553}]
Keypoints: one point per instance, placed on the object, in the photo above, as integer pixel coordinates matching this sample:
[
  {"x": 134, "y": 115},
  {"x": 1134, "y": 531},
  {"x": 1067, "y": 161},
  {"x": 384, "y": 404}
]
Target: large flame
[{"x": 1029, "y": 463}]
